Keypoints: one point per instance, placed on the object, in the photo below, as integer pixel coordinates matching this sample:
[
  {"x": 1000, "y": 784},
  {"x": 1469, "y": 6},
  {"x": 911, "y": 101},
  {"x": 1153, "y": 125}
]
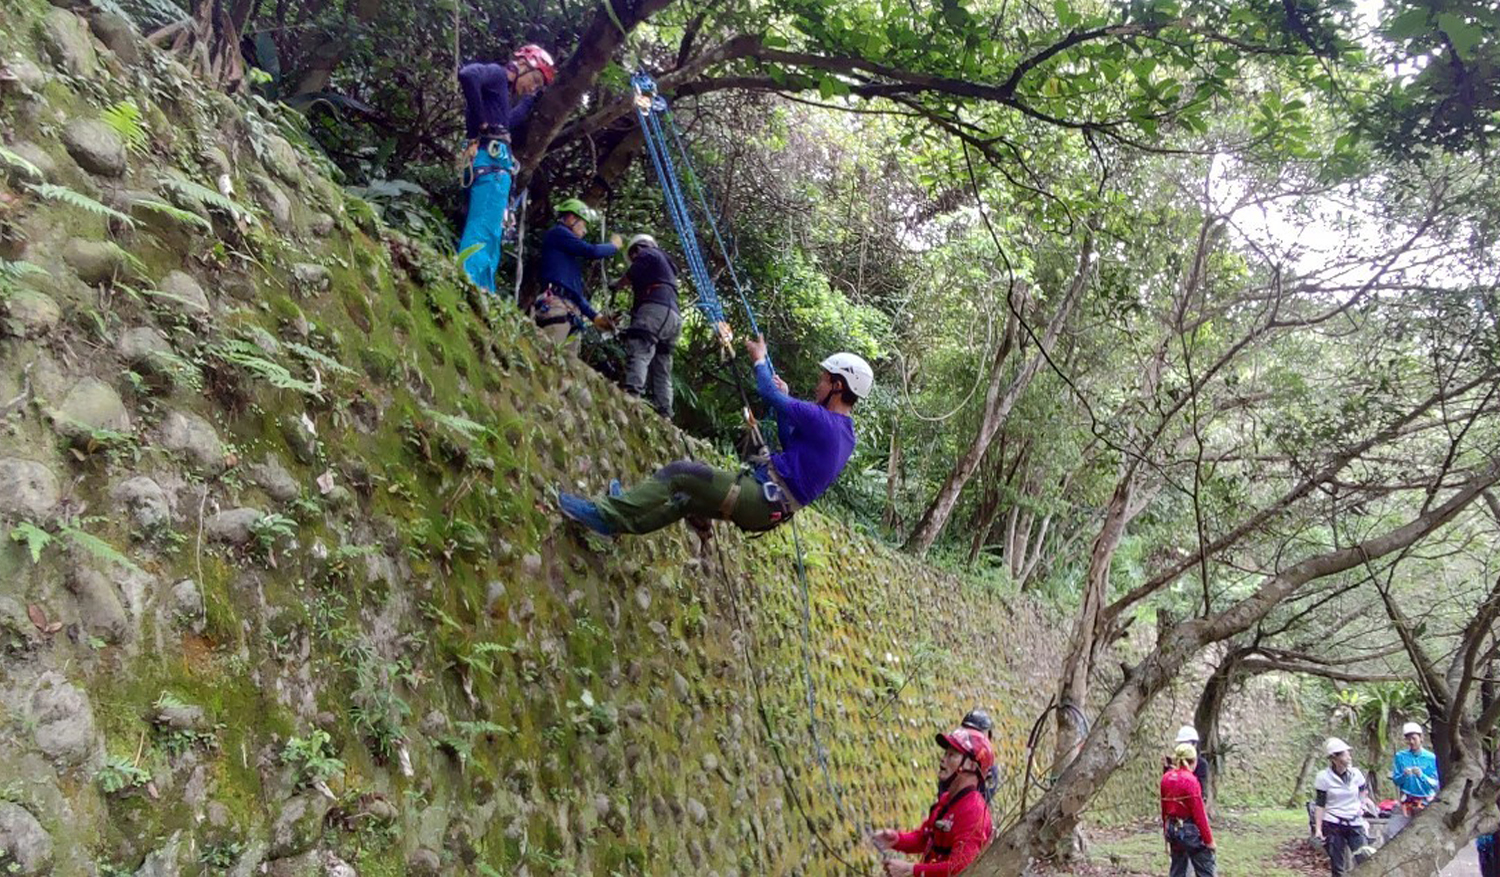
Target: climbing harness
[{"x": 492, "y": 147}]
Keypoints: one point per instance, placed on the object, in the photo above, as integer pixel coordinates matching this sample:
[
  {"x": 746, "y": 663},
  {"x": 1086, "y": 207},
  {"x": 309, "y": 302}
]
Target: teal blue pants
[{"x": 486, "y": 224}]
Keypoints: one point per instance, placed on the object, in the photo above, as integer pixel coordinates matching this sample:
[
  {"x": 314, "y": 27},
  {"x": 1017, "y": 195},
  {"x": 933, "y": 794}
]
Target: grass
[{"x": 1248, "y": 842}]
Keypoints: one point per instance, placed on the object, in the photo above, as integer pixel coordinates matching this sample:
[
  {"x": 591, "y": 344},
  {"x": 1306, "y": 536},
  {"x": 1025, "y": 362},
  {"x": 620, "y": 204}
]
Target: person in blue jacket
[
  {"x": 817, "y": 439},
  {"x": 497, "y": 98},
  {"x": 1414, "y": 770},
  {"x": 562, "y": 306}
]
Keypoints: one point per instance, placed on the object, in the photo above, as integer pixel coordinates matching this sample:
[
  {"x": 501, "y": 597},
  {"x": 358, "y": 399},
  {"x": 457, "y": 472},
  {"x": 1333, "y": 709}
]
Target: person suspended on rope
[
  {"x": 655, "y": 323},
  {"x": 979, "y": 720},
  {"x": 958, "y": 827},
  {"x": 562, "y": 306},
  {"x": 817, "y": 439},
  {"x": 497, "y": 98}
]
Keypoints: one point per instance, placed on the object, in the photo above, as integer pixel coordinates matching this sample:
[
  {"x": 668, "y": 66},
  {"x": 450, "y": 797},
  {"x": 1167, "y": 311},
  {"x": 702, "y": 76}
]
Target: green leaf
[
  {"x": 825, "y": 87},
  {"x": 186, "y": 217},
  {"x": 21, "y": 165},
  {"x": 466, "y": 252},
  {"x": 64, "y": 195},
  {"x": 1408, "y": 24},
  {"x": 33, "y": 537},
  {"x": 1463, "y": 35},
  {"x": 1065, "y": 14},
  {"x": 99, "y": 548}
]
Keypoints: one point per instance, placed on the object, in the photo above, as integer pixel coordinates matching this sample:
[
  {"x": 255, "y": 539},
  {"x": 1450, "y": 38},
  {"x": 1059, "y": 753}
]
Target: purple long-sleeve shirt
[
  {"x": 487, "y": 105},
  {"x": 815, "y": 443}
]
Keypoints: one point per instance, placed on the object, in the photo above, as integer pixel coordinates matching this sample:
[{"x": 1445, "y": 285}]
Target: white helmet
[
  {"x": 1410, "y": 728},
  {"x": 1187, "y": 734},
  {"x": 857, "y": 374},
  {"x": 1334, "y": 746},
  {"x": 639, "y": 240}
]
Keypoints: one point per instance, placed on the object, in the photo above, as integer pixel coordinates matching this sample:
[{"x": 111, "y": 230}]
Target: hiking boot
[{"x": 581, "y": 511}]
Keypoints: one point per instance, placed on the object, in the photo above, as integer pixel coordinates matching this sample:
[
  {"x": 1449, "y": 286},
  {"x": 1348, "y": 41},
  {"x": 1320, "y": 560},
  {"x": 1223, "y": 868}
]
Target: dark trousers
[
  {"x": 1342, "y": 843},
  {"x": 1487, "y": 863},
  {"x": 649, "y": 342},
  {"x": 1202, "y": 860}
]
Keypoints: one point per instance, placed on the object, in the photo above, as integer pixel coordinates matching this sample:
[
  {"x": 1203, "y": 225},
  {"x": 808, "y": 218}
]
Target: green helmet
[{"x": 578, "y": 208}]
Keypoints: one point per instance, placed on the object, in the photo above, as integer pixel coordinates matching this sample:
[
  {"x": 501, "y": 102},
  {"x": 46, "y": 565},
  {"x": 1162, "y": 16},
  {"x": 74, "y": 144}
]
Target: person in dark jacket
[
  {"x": 497, "y": 99},
  {"x": 655, "y": 323},
  {"x": 562, "y": 306}
]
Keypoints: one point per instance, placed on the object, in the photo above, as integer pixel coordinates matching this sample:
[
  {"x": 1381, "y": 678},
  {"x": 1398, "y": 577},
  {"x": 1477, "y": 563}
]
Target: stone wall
[{"x": 285, "y": 590}]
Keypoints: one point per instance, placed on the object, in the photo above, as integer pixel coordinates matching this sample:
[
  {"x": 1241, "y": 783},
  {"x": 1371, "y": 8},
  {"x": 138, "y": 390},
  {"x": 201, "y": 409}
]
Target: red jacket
[
  {"x": 952, "y": 836},
  {"x": 1182, "y": 798}
]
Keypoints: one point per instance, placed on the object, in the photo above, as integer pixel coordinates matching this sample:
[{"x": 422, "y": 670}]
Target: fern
[
  {"x": 64, "y": 195},
  {"x": 99, "y": 548},
  {"x": 252, "y": 357},
  {"x": 33, "y": 537},
  {"x": 21, "y": 165},
  {"x": 206, "y": 197},
  {"x": 186, "y": 217},
  {"x": 468, "y": 428},
  {"x": 10, "y": 272},
  {"x": 129, "y": 258},
  {"x": 170, "y": 701},
  {"x": 319, "y": 357},
  {"x": 125, "y": 118}
]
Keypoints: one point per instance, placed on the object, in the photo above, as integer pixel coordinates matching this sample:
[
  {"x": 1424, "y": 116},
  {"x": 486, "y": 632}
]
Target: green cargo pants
[{"x": 688, "y": 488}]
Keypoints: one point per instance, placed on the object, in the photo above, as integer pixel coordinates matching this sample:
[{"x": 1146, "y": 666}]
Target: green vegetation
[{"x": 1248, "y": 841}]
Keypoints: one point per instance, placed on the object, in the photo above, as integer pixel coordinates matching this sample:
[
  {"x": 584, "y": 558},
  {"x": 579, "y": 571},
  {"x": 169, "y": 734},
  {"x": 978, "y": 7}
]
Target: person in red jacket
[
  {"x": 958, "y": 827},
  {"x": 1184, "y": 821}
]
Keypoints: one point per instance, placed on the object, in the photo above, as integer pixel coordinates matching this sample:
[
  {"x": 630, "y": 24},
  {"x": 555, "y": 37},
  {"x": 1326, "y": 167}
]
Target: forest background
[{"x": 1184, "y": 312}]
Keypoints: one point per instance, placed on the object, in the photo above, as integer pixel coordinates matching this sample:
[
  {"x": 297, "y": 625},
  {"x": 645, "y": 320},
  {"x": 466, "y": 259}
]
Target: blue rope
[
  {"x": 709, "y": 213},
  {"x": 677, "y": 207}
]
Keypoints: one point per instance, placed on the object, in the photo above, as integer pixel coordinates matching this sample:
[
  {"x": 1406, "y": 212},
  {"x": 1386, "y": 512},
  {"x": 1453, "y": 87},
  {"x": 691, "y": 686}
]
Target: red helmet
[
  {"x": 973, "y": 744},
  {"x": 539, "y": 58}
]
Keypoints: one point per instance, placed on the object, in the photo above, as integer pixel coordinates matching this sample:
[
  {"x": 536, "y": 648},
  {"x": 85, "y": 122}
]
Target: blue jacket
[
  {"x": 815, "y": 442},
  {"x": 1420, "y": 785},
  {"x": 486, "y": 89},
  {"x": 562, "y": 264}
]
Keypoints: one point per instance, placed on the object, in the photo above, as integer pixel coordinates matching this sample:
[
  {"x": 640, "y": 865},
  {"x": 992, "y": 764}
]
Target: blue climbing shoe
[
  {"x": 579, "y": 510},
  {"x": 614, "y": 488}
]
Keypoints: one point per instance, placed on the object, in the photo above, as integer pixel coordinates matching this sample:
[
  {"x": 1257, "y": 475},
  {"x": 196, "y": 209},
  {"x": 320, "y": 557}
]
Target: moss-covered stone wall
[{"x": 286, "y": 592}]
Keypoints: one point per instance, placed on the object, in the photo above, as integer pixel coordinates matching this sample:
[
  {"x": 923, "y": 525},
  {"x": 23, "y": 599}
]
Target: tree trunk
[
  {"x": 1295, "y": 799},
  {"x": 997, "y": 408},
  {"x": 322, "y": 57},
  {"x": 1086, "y": 641},
  {"x": 892, "y": 516},
  {"x": 1106, "y": 748},
  {"x": 596, "y": 48},
  {"x": 1206, "y": 717}
]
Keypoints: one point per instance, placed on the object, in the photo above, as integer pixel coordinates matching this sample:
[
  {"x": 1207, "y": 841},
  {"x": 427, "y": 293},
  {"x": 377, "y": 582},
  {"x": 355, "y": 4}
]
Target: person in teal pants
[{"x": 491, "y": 118}]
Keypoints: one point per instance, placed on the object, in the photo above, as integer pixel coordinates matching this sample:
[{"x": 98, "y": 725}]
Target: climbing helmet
[
  {"x": 577, "y": 207},
  {"x": 857, "y": 374},
  {"x": 979, "y": 720},
  {"x": 539, "y": 58},
  {"x": 971, "y": 743}
]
